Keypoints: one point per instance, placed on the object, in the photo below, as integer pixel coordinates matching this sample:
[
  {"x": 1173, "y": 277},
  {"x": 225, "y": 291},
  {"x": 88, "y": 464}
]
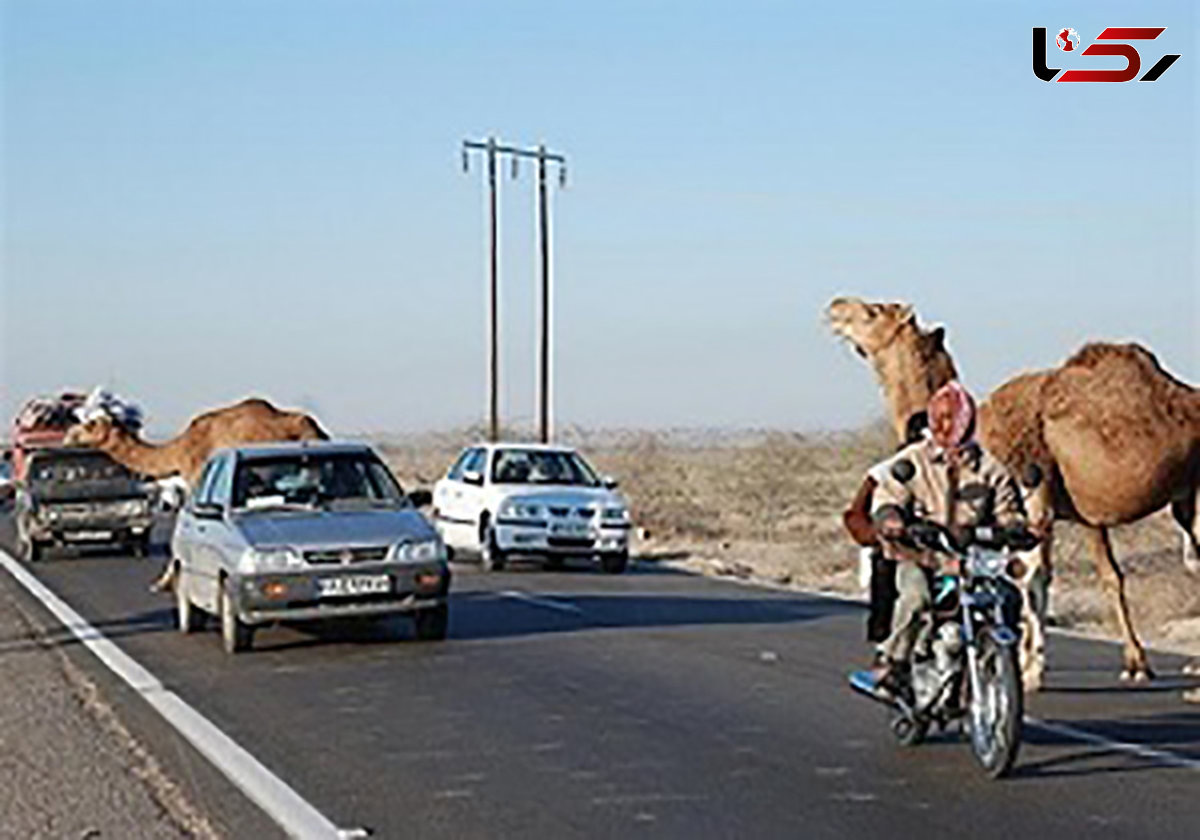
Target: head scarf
[{"x": 962, "y": 408}]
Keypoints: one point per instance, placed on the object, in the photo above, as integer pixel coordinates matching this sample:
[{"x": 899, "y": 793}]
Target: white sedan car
[{"x": 501, "y": 499}]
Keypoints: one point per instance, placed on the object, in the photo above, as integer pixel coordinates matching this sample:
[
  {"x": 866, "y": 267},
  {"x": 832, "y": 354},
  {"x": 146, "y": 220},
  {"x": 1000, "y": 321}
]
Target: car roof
[
  {"x": 542, "y": 447},
  {"x": 285, "y": 448}
]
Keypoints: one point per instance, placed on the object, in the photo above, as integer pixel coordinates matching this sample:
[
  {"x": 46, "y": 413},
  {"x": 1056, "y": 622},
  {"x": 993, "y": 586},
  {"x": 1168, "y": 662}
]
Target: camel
[
  {"x": 1116, "y": 437},
  {"x": 250, "y": 421}
]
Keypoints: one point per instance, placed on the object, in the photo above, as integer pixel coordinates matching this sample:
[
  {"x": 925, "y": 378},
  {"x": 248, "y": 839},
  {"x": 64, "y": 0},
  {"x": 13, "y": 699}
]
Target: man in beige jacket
[{"x": 956, "y": 484}]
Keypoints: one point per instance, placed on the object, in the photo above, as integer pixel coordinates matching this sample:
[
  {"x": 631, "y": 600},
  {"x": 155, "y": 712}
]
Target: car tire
[
  {"x": 615, "y": 564},
  {"x": 236, "y": 635},
  {"x": 190, "y": 617},
  {"x": 432, "y": 623},
  {"x": 491, "y": 558}
]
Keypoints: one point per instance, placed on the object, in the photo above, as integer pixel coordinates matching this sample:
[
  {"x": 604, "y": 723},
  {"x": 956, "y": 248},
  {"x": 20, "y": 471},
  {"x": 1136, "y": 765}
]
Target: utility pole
[{"x": 543, "y": 157}]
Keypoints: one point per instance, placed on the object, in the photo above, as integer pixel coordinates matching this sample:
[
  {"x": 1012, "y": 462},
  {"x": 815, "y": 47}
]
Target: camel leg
[
  {"x": 1184, "y": 510},
  {"x": 1035, "y": 592},
  {"x": 1136, "y": 666}
]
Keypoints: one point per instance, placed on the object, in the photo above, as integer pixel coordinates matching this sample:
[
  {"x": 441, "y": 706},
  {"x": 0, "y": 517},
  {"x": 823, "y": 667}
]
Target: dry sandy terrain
[{"x": 767, "y": 504}]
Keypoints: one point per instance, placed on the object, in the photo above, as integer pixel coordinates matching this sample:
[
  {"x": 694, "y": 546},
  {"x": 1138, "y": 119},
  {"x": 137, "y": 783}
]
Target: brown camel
[
  {"x": 1116, "y": 437},
  {"x": 250, "y": 421}
]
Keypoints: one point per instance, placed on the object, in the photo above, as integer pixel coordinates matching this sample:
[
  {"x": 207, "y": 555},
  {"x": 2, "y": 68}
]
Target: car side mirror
[
  {"x": 903, "y": 471},
  {"x": 609, "y": 483},
  {"x": 420, "y": 498},
  {"x": 473, "y": 478},
  {"x": 1032, "y": 476},
  {"x": 208, "y": 510}
]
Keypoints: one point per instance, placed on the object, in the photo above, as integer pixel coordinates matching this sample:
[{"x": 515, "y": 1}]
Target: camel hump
[{"x": 1096, "y": 353}]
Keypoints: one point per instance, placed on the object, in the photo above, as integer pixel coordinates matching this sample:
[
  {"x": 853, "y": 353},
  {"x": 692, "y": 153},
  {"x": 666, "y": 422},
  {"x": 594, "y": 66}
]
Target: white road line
[
  {"x": 548, "y": 603},
  {"x": 1149, "y": 753},
  {"x": 287, "y": 808}
]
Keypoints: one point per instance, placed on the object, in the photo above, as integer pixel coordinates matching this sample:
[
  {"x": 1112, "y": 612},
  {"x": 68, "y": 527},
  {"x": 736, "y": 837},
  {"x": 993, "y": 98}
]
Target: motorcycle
[{"x": 965, "y": 665}]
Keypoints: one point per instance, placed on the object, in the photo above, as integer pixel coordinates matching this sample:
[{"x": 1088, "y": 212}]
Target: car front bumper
[
  {"x": 538, "y": 538},
  {"x": 296, "y": 596},
  {"x": 88, "y": 528}
]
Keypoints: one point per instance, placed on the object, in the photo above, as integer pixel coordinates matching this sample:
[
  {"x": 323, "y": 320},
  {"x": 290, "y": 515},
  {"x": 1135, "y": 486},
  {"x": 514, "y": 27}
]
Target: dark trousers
[{"x": 883, "y": 597}]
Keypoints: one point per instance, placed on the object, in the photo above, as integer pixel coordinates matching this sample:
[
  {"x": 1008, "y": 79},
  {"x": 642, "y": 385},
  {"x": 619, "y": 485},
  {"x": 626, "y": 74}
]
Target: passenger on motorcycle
[{"x": 954, "y": 483}]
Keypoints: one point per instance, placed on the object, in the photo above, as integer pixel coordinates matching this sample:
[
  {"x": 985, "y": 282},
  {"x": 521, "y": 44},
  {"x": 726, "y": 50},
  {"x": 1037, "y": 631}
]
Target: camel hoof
[{"x": 1137, "y": 675}]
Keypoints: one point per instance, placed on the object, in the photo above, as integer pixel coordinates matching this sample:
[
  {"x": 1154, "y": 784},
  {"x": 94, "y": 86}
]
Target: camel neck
[
  {"x": 909, "y": 379},
  {"x": 154, "y": 460}
]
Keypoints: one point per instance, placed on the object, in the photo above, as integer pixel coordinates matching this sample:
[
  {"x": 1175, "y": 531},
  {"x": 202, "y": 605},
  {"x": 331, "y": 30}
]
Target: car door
[
  {"x": 208, "y": 533},
  {"x": 456, "y": 520},
  {"x": 183, "y": 538}
]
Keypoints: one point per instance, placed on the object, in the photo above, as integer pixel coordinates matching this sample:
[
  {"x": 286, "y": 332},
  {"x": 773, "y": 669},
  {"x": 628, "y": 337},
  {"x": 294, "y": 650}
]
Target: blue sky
[{"x": 203, "y": 201}]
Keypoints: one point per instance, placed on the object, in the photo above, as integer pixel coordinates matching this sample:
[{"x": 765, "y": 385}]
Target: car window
[
  {"x": 205, "y": 480},
  {"x": 222, "y": 487},
  {"x": 314, "y": 479},
  {"x": 540, "y": 466},
  {"x": 475, "y": 461},
  {"x": 208, "y": 492},
  {"x": 456, "y": 471}
]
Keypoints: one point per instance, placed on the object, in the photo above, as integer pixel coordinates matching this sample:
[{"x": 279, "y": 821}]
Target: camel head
[
  {"x": 99, "y": 432},
  {"x": 911, "y": 362}
]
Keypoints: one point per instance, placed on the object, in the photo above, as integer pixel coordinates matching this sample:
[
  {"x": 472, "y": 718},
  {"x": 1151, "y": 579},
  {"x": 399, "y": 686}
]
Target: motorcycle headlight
[
  {"x": 255, "y": 560},
  {"x": 987, "y": 563},
  {"x": 420, "y": 552}
]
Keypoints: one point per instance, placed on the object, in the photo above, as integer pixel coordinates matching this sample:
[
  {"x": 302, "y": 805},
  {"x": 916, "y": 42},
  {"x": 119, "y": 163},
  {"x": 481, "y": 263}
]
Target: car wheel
[
  {"x": 615, "y": 564},
  {"x": 491, "y": 558},
  {"x": 432, "y": 623},
  {"x": 236, "y": 635},
  {"x": 191, "y": 619}
]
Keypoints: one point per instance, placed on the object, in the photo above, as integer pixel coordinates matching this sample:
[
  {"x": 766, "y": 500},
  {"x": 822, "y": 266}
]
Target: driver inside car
[{"x": 956, "y": 484}]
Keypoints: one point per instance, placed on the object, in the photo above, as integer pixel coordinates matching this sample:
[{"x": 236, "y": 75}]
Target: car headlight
[
  {"x": 520, "y": 510},
  {"x": 133, "y": 507},
  {"x": 268, "y": 560},
  {"x": 420, "y": 552},
  {"x": 616, "y": 514}
]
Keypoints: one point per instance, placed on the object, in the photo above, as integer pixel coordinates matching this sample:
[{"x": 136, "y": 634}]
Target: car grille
[
  {"x": 582, "y": 513},
  {"x": 346, "y": 556}
]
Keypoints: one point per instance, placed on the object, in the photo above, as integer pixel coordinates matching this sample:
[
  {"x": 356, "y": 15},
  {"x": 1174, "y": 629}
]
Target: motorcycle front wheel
[{"x": 995, "y": 717}]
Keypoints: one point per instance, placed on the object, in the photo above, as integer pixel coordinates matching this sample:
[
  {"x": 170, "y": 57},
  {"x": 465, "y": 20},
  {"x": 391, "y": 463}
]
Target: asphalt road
[{"x": 652, "y": 704}]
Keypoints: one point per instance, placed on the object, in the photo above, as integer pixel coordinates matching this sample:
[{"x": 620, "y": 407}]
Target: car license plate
[
  {"x": 569, "y": 529},
  {"x": 347, "y": 585},
  {"x": 89, "y": 536}
]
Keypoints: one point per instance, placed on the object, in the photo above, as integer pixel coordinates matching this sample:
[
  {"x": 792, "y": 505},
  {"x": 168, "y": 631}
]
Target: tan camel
[
  {"x": 250, "y": 421},
  {"x": 1116, "y": 437}
]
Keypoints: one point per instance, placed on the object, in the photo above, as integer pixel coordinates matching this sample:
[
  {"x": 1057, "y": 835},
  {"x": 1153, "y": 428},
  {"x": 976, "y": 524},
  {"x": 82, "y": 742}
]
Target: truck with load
[{"x": 68, "y": 495}]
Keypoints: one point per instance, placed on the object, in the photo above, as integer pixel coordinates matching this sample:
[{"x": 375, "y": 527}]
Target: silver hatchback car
[{"x": 305, "y": 531}]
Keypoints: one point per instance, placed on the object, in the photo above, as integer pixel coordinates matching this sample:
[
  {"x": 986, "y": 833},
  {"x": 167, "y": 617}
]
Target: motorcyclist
[{"x": 955, "y": 483}]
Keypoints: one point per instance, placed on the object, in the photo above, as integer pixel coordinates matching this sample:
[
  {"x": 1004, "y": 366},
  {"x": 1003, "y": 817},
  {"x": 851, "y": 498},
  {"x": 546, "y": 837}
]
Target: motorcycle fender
[{"x": 1005, "y": 636}]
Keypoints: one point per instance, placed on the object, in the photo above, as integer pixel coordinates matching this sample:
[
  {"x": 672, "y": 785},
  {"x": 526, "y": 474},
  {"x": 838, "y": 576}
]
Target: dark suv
[{"x": 76, "y": 496}]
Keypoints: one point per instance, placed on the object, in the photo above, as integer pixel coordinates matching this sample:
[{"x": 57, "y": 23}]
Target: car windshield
[
  {"x": 93, "y": 466},
  {"x": 311, "y": 480},
  {"x": 539, "y": 466}
]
